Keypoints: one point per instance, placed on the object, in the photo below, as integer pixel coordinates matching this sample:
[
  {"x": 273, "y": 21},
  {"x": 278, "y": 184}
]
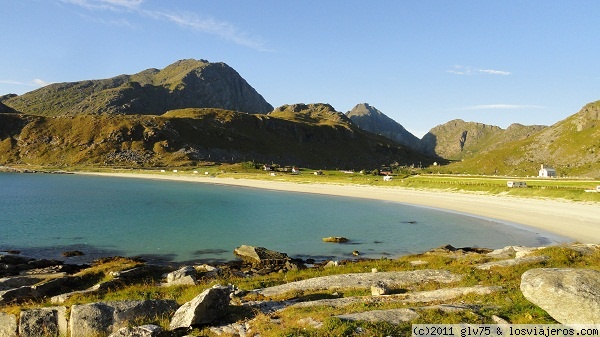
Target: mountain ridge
[{"x": 184, "y": 84}]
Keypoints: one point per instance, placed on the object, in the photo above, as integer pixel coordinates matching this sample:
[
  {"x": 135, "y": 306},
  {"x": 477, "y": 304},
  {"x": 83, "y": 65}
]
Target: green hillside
[
  {"x": 571, "y": 146},
  {"x": 193, "y": 136}
]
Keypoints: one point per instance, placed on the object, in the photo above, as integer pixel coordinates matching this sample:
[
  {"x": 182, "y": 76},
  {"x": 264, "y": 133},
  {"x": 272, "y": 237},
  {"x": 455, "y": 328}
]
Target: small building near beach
[{"x": 547, "y": 172}]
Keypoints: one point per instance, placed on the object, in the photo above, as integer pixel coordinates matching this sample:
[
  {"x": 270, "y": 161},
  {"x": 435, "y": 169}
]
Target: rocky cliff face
[
  {"x": 370, "y": 119},
  {"x": 458, "y": 139},
  {"x": 183, "y": 84}
]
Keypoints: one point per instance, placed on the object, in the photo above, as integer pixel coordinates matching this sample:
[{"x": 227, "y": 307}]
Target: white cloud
[
  {"x": 41, "y": 83},
  {"x": 494, "y": 72},
  {"x": 114, "y": 5},
  {"x": 186, "y": 19},
  {"x": 466, "y": 70},
  {"x": 502, "y": 106},
  {"x": 33, "y": 83},
  {"x": 211, "y": 26}
]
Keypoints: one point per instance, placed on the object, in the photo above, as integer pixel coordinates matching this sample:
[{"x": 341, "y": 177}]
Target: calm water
[{"x": 43, "y": 215}]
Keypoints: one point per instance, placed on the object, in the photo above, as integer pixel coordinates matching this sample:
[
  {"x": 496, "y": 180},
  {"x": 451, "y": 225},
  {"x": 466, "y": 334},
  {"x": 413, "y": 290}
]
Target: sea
[{"x": 44, "y": 215}]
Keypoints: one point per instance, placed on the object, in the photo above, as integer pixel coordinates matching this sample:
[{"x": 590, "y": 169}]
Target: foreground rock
[
  {"x": 103, "y": 318},
  {"x": 570, "y": 296},
  {"x": 210, "y": 306},
  {"x": 363, "y": 280},
  {"x": 43, "y": 322}
]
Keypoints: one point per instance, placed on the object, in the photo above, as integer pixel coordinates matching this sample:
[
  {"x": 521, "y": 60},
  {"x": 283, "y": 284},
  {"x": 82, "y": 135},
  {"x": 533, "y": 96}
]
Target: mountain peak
[
  {"x": 186, "y": 83},
  {"x": 370, "y": 119}
]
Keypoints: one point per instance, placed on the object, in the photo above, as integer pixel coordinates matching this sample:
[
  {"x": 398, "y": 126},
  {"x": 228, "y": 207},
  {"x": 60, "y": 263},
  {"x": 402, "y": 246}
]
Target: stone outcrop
[
  {"x": 570, "y": 296},
  {"x": 207, "y": 307},
  {"x": 109, "y": 317}
]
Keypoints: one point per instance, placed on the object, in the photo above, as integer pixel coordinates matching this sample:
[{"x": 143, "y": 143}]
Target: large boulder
[
  {"x": 102, "y": 318},
  {"x": 570, "y": 296},
  {"x": 8, "y": 325},
  {"x": 183, "y": 276},
  {"x": 208, "y": 307},
  {"x": 43, "y": 322},
  {"x": 260, "y": 256}
]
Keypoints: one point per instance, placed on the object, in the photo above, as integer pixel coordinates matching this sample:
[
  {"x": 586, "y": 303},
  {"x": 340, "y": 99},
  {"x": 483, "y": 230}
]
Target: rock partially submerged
[{"x": 336, "y": 239}]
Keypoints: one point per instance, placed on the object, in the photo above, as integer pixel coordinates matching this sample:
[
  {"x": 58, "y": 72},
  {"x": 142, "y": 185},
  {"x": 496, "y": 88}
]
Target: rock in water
[
  {"x": 207, "y": 307},
  {"x": 335, "y": 239},
  {"x": 570, "y": 296},
  {"x": 260, "y": 256}
]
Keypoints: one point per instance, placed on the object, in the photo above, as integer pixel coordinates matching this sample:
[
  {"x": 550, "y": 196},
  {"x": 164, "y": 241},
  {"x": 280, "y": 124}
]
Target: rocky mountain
[
  {"x": 183, "y": 84},
  {"x": 313, "y": 135},
  {"x": 370, "y": 119},
  {"x": 571, "y": 146},
  {"x": 457, "y": 139}
]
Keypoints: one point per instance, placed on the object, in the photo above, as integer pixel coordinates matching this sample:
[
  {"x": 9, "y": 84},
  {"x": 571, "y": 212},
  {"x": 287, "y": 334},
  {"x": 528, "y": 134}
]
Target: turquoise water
[{"x": 43, "y": 215}]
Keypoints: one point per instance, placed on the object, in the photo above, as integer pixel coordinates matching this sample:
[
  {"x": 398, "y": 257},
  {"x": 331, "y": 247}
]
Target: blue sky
[{"x": 422, "y": 63}]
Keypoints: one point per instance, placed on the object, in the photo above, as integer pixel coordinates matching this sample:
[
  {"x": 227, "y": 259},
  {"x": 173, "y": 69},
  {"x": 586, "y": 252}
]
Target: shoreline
[{"x": 577, "y": 221}]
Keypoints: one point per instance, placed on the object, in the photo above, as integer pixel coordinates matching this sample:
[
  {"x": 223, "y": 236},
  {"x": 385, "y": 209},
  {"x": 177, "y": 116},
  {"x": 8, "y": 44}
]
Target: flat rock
[
  {"x": 570, "y": 296},
  {"x": 513, "y": 262},
  {"x": 363, "y": 280},
  {"x": 444, "y": 294},
  {"x": 394, "y": 316},
  {"x": 511, "y": 252}
]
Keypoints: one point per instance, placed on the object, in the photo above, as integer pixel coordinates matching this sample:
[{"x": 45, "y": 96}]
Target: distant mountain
[
  {"x": 319, "y": 113},
  {"x": 370, "y": 119},
  {"x": 457, "y": 139},
  {"x": 571, "y": 146},
  {"x": 312, "y": 135},
  {"x": 183, "y": 84}
]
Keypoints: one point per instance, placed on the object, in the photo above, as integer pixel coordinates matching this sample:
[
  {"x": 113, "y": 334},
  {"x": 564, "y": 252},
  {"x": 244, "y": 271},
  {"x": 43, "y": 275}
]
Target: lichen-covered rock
[
  {"x": 43, "y": 322},
  {"x": 570, "y": 296}
]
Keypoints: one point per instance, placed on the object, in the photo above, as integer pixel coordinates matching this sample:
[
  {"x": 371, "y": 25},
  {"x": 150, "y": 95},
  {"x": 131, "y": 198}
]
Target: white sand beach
[{"x": 576, "y": 220}]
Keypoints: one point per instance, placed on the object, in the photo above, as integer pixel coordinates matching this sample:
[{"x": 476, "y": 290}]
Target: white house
[{"x": 547, "y": 172}]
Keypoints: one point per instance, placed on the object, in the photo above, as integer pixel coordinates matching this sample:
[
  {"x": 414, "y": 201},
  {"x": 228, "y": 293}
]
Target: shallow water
[{"x": 43, "y": 215}]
